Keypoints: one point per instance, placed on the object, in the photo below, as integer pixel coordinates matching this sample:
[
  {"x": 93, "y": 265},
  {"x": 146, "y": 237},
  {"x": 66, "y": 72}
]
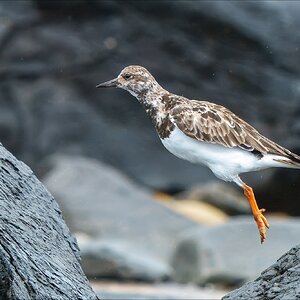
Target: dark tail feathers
[{"x": 294, "y": 160}]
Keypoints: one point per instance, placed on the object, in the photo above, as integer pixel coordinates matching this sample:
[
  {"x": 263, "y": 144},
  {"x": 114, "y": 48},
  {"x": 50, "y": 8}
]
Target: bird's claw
[{"x": 262, "y": 224}]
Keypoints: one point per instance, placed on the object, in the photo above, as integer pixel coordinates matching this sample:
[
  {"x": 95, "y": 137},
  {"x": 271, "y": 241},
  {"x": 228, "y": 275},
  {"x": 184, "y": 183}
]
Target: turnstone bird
[{"x": 206, "y": 133}]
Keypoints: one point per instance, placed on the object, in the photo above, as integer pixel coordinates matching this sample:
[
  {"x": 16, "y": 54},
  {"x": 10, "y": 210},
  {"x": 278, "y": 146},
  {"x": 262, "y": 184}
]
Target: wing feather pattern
[{"x": 209, "y": 122}]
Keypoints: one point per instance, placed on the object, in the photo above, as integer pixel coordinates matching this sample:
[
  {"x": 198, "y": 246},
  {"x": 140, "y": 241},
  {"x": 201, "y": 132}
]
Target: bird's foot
[{"x": 262, "y": 223}]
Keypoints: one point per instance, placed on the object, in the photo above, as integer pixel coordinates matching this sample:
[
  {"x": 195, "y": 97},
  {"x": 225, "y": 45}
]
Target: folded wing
[{"x": 208, "y": 122}]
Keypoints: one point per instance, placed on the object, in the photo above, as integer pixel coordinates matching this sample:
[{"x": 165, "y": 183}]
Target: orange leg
[{"x": 259, "y": 218}]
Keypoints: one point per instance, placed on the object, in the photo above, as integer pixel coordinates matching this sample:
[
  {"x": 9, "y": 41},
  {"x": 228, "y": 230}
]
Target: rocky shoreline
[{"x": 139, "y": 214}]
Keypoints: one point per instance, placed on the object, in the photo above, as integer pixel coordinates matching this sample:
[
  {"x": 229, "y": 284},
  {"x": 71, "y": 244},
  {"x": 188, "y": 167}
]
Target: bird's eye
[{"x": 127, "y": 76}]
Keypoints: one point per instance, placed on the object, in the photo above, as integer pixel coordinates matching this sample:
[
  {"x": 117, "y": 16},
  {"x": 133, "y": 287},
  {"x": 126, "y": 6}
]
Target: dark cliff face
[{"x": 241, "y": 55}]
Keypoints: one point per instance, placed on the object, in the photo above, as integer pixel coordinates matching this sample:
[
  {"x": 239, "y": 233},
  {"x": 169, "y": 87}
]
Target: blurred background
[{"x": 149, "y": 224}]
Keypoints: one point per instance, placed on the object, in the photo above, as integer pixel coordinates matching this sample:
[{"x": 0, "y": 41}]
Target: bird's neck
[{"x": 157, "y": 104}]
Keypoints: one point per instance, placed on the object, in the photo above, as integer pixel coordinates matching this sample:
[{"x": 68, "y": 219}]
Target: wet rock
[
  {"x": 222, "y": 195},
  {"x": 231, "y": 253},
  {"x": 100, "y": 202},
  {"x": 279, "y": 281}
]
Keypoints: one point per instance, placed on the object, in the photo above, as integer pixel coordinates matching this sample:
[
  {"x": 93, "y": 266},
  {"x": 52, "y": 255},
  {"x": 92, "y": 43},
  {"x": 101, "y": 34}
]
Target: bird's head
[{"x": 134, "y": 79}]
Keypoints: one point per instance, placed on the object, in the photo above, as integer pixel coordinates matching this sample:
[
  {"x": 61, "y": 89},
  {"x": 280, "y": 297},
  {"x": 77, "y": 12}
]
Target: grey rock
[
  {"x": 231, "y": 253},
  {"x": 231, "y": 53},
  {"x": 39, "y": 257},
  {"x": 119, "y": 259},
  {"x": 100, "y": 201},
  {"x": 279, "y": 281}
]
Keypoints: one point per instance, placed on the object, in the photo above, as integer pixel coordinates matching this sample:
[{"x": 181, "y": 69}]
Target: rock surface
[
  {"x": 54, "y": 53},
  {"x": 99, "y": 201},
  {"x": 119, "y": 259},
  {"x": 39, "y": 258},
  {"x": 278, "y": 282},
  {"x": 231, "y": 253}
]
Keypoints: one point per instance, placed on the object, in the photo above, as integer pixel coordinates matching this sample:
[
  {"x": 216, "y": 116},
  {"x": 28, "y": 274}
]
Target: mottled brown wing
[{"x": 214, "y": 123}]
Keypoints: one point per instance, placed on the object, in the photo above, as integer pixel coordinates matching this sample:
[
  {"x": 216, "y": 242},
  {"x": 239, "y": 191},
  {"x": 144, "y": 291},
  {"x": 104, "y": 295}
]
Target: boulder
[
  {"x": 104, "y": 204},
  {"x": 120, "y": 259},
  {"x": 39, "y": 257},
  {"x": 279, "y": 282},
  {"x": 230, "y": 253}
]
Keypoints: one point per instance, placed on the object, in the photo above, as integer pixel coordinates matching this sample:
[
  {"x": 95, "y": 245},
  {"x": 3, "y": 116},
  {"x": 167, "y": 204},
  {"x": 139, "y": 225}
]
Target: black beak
[{"x": 110, "y": 83}]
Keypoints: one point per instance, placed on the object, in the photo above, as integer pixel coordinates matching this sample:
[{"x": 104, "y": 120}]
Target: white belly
[{"x": 226, "y": 163}]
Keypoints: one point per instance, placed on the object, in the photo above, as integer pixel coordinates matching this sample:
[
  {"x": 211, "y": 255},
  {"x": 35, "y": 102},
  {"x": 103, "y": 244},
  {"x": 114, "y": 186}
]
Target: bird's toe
[{"x": 262, "y": 224}]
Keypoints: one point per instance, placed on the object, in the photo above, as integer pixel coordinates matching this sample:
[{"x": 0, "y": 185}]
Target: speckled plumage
[
  {"x": 206, "y": 133},
  {"x": 201, "y": 120}
]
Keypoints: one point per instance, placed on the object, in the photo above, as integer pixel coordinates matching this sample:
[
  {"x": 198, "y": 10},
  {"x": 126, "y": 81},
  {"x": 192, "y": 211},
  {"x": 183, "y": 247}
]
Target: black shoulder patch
[{"x": 257, "y": 153}]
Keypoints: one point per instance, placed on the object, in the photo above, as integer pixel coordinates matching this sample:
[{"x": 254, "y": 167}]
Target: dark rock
[
  {"x": 39, "y": 258},
  {"x": 57, "y": 51},
  {"x": 230, "y": 254},
  {"x": 280, "y": 281},
  {"x": 99, "y": 201}
]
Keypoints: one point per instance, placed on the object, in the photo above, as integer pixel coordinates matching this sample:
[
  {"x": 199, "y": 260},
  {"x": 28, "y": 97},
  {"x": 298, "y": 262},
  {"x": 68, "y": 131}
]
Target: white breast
[{"x": 226, "y": 163}]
